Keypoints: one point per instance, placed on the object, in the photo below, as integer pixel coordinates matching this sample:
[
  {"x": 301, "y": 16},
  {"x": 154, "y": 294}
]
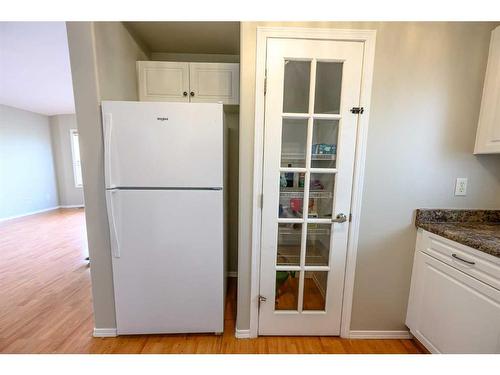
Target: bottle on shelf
[
  {"x": 289, "y": 177},
  {"x": 302, "y": 179}
]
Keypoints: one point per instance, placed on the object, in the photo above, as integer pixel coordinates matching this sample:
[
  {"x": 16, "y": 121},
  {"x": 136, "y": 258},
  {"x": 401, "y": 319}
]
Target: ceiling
[
  {"x": 35, "y": 73},
  {"x": 188, "y": 37}
]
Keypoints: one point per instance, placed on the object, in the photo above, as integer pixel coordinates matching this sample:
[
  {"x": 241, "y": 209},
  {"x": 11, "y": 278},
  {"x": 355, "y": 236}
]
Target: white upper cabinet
[
  {"x": 488, "y": 130},
  {"x": 159, "y": 81},
  {"x": 210, "y": 82},
  {"x": 188, "y": 82}
]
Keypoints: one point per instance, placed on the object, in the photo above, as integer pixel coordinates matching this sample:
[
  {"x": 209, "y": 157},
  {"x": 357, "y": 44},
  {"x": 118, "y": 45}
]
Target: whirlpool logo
[{"x": 162, "y": 118}]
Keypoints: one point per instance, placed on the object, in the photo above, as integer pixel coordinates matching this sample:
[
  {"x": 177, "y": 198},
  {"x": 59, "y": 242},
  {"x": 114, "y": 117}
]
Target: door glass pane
[
  {"x": 321, "y": 194},
  {"x": 293, "y": 143},
  {"x": 317, "y": 244},
  {"x": 287, "y": 290},
  {"x": 328, "y": 87},
  {"x": 289, "y": 238},
  {"x": 291, "y": 204},
  {"x": 324, "y": 144},
  {"x": 296, "y": 86},
  {"x": 315, "y": 283}
]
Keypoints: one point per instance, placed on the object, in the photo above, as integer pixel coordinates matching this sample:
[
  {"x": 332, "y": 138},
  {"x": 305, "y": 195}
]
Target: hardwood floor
[{"x": 46, "y": 302}]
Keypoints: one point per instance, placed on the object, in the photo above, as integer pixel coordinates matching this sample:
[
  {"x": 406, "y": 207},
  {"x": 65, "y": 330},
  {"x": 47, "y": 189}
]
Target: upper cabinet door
[
  {"x": 214, "y": 82},
  {"x": 488, "y": 130},
  {"x": 160, "y": 81}
]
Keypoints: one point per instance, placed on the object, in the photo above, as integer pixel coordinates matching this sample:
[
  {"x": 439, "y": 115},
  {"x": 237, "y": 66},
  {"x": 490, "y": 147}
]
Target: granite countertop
[{"x": 479, "y": 229}]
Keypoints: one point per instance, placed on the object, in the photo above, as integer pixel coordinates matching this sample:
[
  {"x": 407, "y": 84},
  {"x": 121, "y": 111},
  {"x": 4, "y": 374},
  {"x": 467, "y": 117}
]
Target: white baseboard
[
  {"x": 105, "y": 332},
  {"x": 380, "y": 335},
  {"x": 41, "y": 211},
  {"x": 232, "y": 274},
  {"x": 29, "y": 213},
  {"x": 242, "y": 333}
]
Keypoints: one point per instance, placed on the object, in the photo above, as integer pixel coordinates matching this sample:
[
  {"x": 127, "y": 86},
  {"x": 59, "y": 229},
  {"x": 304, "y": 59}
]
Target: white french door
[{"x": 309, "y": 149}]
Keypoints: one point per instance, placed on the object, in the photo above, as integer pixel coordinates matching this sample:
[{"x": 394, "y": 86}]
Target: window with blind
[{"x": 75, "y": 152}]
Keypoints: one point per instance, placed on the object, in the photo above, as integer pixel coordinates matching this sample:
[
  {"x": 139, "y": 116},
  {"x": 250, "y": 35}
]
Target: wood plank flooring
[{"x": 46, "y": 302}]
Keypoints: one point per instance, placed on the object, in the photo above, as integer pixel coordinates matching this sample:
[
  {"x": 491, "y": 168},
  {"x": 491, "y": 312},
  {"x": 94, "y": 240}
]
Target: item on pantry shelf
[
  {"x": 296, "y": 204},
  {"x": 324, "y": 149},
  {"x": 289, "y": 177},
  {"x": 302, "y": 178},
  {"x": 283, "y": 182},
  {"x": 316, "y": 185}
]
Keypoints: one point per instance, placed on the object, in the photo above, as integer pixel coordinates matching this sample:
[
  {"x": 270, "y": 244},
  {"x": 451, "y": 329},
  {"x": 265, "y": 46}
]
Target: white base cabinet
[
  {"x": 453, "y": 305},
  {"x": 188, "y": 82}
]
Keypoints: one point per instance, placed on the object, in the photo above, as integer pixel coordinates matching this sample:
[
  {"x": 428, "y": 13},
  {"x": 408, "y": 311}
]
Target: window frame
[{"x": 76, "y": 160}]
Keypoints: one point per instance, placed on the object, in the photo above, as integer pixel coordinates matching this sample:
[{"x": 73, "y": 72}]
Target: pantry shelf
[
  {"x": 294, "y": 193},
  {"x": 298, "y": 232},
  {"x": 315, "y": 256},
  {"x": 300, "y": 156}
]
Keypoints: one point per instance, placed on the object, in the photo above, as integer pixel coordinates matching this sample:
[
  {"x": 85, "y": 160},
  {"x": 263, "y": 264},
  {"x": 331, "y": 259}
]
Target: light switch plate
[{"x": 461, "y": 186}]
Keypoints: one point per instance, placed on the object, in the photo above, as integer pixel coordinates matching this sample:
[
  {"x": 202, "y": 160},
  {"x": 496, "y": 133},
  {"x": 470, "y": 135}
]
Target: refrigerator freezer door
[
  {"x": 168, "y": 270},
  {"x": 157, "y": 144}
]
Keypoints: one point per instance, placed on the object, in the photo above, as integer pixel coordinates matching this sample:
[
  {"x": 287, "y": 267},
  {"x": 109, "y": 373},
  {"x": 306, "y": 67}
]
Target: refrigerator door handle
[
  {"x": 115, "y": 243},
  {"x": 108, "y": 127}
]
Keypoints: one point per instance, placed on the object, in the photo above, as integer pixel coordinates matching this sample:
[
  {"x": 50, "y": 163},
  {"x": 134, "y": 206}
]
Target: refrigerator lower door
[{"x": 168, "y": 264}]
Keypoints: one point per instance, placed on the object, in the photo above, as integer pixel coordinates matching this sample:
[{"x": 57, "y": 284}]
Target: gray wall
[
  {"x": 425, "y": 103},
  {"x": 69, "y": 194},
  {"x": 103, "y": 56},
  {"x": 27, "y": 175}
]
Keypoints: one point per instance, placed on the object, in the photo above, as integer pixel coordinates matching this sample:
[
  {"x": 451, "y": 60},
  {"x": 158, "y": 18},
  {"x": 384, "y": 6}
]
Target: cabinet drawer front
[
  {"x": 481, "y": 266},
  {"x": 454, "y": 313}
]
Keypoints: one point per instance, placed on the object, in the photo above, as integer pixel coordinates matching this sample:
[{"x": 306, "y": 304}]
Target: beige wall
[
  {"x": 103, "y": 59},
  {"x": 60, "y": 126},
  {"x": 427, "y": 88}
]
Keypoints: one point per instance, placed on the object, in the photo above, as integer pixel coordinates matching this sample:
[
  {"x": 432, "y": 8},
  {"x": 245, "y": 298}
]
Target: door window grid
[{"x": 302, "y": 268}]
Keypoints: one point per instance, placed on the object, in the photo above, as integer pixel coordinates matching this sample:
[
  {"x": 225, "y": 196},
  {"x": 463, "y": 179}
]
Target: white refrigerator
[{"x": 164, "y": 193}]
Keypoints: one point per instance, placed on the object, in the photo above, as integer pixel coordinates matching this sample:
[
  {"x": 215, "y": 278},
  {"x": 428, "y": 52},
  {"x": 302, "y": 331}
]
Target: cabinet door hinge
[
  {"x": 265, "y": 85},
  {"x": 350, "y": 217},
  {"x": 261, "y": 201},
  {"x": 357, "y": 110}
]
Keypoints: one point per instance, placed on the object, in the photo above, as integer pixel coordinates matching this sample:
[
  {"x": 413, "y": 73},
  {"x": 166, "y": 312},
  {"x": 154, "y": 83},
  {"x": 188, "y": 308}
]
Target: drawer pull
[{"x": 463, "y": 260}]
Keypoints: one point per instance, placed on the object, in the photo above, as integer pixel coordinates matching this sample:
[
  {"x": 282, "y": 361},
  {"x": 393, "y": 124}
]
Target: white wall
[
  {"x": 69, "y": 194},
  {"x": 27, "y": 174},
  {"x": 426, "y": 94}
]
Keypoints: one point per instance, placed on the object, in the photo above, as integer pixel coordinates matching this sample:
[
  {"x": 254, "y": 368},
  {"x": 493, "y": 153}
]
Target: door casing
[{"x": 367, "y": 37}]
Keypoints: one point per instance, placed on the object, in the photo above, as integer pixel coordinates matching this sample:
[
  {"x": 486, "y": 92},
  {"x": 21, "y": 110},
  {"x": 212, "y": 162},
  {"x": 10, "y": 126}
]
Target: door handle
[
  {"x": 463, "y": 260},
  {"x": 191, "y": 93},
  {"x": 185, "y": 93},
  {"x": 340, "y": 218},
  {"x": 108, "y": 127},
  {"x": 114, "y": 233}
]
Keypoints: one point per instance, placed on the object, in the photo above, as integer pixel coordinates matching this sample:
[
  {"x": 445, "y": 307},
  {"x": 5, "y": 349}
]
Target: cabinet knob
[
  {"x": 185, "y": 93},
  {"x": 191, "y": 93}
]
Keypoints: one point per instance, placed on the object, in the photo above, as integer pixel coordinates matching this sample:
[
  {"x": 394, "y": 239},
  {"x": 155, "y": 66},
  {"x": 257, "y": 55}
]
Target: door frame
[{"x": 367, "y": 37}]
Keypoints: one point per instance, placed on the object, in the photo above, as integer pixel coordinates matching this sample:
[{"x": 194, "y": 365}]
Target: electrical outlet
[{"x": 461, "y": 186}]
